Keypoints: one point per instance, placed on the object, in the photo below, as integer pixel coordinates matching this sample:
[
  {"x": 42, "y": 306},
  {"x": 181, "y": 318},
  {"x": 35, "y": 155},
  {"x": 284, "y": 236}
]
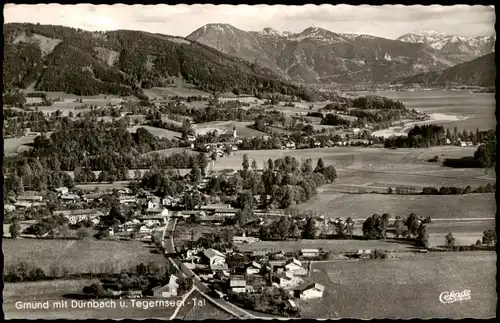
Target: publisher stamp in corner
[{"x": 453, "y": 297}]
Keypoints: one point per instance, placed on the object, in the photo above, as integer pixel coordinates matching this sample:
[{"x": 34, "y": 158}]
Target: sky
[{"x": 389, "y": 21}]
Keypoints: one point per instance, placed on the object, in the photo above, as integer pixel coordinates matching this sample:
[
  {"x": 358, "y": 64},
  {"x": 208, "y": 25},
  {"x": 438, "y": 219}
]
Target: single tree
[
  {"x": 489, "y": 237},
  {"x": 423, "y": 236},
  {"x": 245, "y": 163},
  {"x": 309, "y": 229},
  {"x": 450, "y": 240},
  {"x": 14, "y": 229}
]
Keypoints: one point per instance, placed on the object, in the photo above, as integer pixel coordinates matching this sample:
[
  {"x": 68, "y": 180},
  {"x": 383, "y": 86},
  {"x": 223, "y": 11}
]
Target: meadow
[
  {"x": 405, "y": 288},
  {"x": 159, "y": 132},
  {"x": 242, "y": 128},
  {"x": 378, "y": 167},
  {"x": 334, "y": 246},
  {"x": 181, "y": 91},
  {"x": 11, "y": 145},
  {"x": 79, "y": 256},
  {"x": 361, "y": 206}
]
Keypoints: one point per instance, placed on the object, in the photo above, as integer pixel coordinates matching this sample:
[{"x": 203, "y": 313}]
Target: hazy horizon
[{"x": 388, "y": 21}]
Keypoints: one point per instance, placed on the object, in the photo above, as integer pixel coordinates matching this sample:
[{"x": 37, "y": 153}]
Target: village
[{"x": 224, "y": 272}]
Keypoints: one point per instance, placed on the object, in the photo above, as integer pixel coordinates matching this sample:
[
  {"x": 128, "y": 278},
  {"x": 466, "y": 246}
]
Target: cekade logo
[{"x": 452, "y": 297}]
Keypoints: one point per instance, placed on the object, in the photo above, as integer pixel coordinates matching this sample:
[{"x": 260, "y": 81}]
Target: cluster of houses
[
  {"x": 256, "y": 275},
  {"x": 208, "y": 214},
  {"x": 26, "y": 200}
]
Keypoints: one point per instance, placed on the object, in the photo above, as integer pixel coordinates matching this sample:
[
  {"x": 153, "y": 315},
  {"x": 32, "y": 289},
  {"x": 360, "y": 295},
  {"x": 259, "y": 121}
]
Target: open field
[
  {"x": 378, "y": 168},
  {"x": 159, "y": 132},
  {"x": 191, "y": 311},
  {"x": 11, "y": 145},
  {"x": 436, "y": 206},
  {"x": 170, "y": 151},
  {"x": 242, "y": 128},
  {"x": 79, "y": 256},
  {"x": 103, "y": 186},
  {"x": 334, "y": 246},
  {"x": 173, "y": 91},
  {"x": 405, "y": 288}
]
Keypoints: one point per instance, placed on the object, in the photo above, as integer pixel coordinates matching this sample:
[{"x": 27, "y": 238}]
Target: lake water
[{"x": 479, "y": 108}]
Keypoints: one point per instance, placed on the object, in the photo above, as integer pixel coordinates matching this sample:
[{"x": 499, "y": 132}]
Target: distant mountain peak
[
  {"x": 268, "y": 31},
  {"x": 431, "y": 33}
]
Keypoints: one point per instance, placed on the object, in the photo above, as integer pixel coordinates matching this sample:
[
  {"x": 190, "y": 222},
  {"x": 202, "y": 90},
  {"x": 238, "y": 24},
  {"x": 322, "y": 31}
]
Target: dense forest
[
  {"x": 79, "y": 63},
  {"x": 423, "y": 136},
  {"x": 85, "y": 146}
]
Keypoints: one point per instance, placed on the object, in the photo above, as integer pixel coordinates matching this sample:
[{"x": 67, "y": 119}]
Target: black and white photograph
[{"x": 237, "y": 162}]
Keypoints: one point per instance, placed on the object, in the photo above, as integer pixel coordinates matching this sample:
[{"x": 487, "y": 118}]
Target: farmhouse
[
  {"x": 127, "y": 199},
  {"x": 288, "y": 280},
  {"x": 23, "y": 204},
  {"x": 364, "y": 253},
  {"x": 312, "y": 291},
  {"x": 211, "y": 219},
  {"x": 153, "y": 205},
  {"x": 75, "y": 216},
  {"x": 214, "y": 257},
  {"x": 62, "y": 190},
  {"x": 253, "y": 268},
  {"x": 226, "y": 212},
  {"x": 219, "y": 267},
  {"x": 295, "y": 266},
  {"x": 92, "y": 197},
  {"x": 130, "y": 225},
  {"x": 145, "y": 229},
  {"x": 229, "y": 136},
  {"x": 237, "y": 284},
  {"x": 69, "y": 197},
  {"x": 153, "y": 217},
  {"x": 309, "y": 252},
  {"x": 245, "y": 239},
  {"x": 168, "y": 290},
  {"x": 30, "y": 198},
  {"x": 157, "y": 212}
]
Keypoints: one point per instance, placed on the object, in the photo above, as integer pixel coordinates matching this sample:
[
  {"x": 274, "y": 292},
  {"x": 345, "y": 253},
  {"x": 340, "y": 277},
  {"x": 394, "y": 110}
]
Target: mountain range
[
  {"x": 221, "y": 58},
  {"x": 57, "y": 58},
  {"x": 478, "y": 72},
  {"x": 317, "y": 55}
]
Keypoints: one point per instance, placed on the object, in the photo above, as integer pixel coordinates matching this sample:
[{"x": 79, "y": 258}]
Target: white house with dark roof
[
  {"x": 215, "y": 257},
  {"x": 253, "y": 268},
  {"x": 295, "y": 266},
  {"x": 237, "y": 284},
  {"x": 167, "y": 290},
  {"x": 75, "y": 216},
  {"x": 309, "y": 252},
  {"x": 69, "y": 197},
  {"x": 312, "y": 291}
]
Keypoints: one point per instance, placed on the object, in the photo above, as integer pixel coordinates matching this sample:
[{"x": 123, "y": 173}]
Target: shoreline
[{"x": 403, "y": 130}]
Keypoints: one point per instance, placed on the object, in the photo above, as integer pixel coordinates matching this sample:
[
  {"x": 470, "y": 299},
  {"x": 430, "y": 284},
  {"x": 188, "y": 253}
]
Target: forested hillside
[
  {"x": 56, "y": 58},
  {"x": 479, "y": 72}
]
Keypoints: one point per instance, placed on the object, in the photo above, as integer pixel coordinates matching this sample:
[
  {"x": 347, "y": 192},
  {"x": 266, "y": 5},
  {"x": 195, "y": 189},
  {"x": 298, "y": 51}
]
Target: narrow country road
[{"x": 168, "y": 239}]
